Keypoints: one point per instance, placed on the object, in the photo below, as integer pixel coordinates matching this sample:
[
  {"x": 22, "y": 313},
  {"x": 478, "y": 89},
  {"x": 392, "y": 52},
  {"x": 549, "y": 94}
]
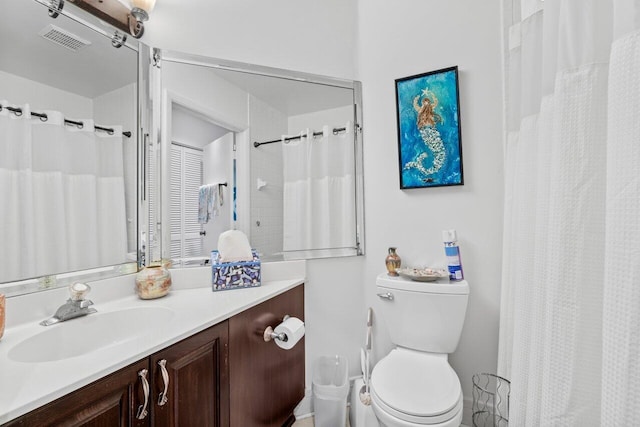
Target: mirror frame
[
  {"x": 156, "y": 130},
  {"x": 62, "y": 279}
]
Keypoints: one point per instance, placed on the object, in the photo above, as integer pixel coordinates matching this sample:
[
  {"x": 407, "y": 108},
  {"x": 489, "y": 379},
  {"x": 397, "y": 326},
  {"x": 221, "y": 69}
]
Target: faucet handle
[{"x": 78, "y": 291}]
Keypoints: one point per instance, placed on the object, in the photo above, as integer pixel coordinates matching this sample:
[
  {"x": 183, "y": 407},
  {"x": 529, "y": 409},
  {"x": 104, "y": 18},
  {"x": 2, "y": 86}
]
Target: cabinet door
[
  {"x": 267, "y": 382},
  {"x": 108, "y": 402},
  {"x": 194, "y": 373}
]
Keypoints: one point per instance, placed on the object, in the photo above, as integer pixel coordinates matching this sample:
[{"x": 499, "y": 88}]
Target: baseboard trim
[
  {"x": 467, "y": 410},
  {"x": 305, "y": 407}
]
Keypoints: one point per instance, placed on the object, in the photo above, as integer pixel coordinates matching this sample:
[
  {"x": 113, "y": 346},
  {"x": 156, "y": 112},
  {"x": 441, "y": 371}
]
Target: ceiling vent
[{"x": 63, "y": 38}]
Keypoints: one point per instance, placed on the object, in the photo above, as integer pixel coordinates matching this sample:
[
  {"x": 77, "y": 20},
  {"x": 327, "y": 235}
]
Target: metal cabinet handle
[
  {"x": 387, "y": 296},
  {"x": 162, "y": 397},
  {"x": 142, "y": 409}
]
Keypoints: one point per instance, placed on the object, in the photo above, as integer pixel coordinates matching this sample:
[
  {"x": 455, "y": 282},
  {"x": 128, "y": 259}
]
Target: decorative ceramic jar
[
  {"x": 393, "y": 262},
  {"x": 2, "y": 302},
  {"x": 153, "y": 281}
]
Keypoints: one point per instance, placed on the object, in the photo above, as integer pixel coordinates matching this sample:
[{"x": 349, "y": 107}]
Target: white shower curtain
[
  {"x": 570, "y": 316},
  {"x": 319, "y": 192},
  {"x": 63, "y": 195}
]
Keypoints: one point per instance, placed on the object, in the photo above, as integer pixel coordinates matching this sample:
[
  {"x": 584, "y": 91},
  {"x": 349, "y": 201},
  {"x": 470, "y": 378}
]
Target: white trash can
[{"x": 330, "y": 390}]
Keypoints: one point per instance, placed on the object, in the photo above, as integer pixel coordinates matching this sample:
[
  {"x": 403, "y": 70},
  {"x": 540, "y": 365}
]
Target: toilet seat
[
  {"x": 416, "y": 387},
  {"x": 392, "y": 418}
]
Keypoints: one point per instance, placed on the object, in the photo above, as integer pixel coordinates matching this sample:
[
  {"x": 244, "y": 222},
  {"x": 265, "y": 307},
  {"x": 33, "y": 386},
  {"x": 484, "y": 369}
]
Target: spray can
[{"x": 452, "y": 250}]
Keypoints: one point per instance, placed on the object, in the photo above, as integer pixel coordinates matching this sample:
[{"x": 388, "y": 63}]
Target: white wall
[
  {"x": 304, "y": 35},
  {"x": 19, "y": 90},
  {"x": 334, "y": 118},
  {"x": 199, "y": 89},
  {"x": 392, "y": 40},
  {"x": 218, "y": 168},
  {"x": 191, "y": 130},
  {"x": 399, "y": 39}
]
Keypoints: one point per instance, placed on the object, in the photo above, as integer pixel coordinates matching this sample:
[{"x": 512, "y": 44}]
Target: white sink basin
[{"x": 93, "y": 332}]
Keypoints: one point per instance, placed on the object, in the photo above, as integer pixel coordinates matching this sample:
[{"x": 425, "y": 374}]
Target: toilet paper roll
[{"x": 293, "y": 329}]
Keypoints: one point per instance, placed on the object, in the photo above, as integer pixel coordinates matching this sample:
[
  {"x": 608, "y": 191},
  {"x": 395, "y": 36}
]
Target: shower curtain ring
[{"x": 55, "y": 8}]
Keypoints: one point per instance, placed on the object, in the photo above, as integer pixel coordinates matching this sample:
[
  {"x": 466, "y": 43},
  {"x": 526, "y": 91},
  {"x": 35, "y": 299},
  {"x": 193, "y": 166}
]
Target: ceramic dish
[{"x": 422, "y": 274}]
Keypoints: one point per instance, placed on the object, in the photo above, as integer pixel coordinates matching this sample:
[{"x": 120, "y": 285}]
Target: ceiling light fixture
[
  {"x": 126, "y": 15},
  {"x": 142, "y": 8}
]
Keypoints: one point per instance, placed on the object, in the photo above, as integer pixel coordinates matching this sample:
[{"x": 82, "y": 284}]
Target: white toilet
[{"x": 414, "y": 385}]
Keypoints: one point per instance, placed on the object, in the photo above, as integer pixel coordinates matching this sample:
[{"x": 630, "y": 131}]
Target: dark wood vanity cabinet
[
  {"x": 224, "y": 376},
  {"x": 107, "y": 402},
  {"x": 267, "y": 382},
  {"x": 197, "y": 386},
  {"x": 197, "y": 392}
]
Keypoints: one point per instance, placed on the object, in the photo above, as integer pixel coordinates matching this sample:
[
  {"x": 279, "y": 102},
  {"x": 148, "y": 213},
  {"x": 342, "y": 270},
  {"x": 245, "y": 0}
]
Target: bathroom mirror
[
  {"x": 68, "y": 131},
  {"x": 274, "y": 153}
]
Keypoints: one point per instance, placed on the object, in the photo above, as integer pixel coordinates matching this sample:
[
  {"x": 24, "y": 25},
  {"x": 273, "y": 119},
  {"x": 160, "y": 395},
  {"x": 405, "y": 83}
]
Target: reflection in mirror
[
  {"x": 274, "y": 153},
  {"x": 68, "y": 134}
]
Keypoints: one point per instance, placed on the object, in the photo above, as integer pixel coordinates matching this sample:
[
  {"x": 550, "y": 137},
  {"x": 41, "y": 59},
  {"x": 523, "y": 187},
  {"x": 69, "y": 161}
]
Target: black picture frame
[{"x": 429, "y": 131}]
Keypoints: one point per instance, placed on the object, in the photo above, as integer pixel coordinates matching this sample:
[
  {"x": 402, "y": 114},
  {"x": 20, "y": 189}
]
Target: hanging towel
[
  {"x": 207, "y": 202},
  {"x": 213, "y": 201},
  {"x": 203, "y": 201}
]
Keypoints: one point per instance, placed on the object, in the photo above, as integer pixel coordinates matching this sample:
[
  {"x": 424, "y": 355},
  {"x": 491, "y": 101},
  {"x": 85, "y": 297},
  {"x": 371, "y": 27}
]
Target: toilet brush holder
[{"x": 360, "y": 413}]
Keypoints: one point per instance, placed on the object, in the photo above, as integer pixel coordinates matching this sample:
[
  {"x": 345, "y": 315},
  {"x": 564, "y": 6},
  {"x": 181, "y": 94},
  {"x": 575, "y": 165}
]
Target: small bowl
[{"x": 422, "y": 274}]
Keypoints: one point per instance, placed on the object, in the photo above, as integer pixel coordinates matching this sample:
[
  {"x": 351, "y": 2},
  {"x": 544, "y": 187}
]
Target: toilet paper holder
[{"x": 269, "y": 335}]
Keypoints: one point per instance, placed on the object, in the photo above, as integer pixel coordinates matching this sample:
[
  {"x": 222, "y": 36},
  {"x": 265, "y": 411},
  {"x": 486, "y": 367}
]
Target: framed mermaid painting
[{"x": 429, "y": 144}]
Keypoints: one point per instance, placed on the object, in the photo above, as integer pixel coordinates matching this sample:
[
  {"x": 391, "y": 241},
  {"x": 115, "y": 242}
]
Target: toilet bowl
[
  {"x": 414, "y": 385},
  {"x": 410, "y": 388}
]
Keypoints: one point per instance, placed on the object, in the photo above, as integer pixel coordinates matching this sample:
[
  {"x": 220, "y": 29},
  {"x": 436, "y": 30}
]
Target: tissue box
[{"x": 234, "y": 275}]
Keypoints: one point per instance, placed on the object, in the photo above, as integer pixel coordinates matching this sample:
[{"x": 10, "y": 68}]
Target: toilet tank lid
[{"x": 438, "y": 287}]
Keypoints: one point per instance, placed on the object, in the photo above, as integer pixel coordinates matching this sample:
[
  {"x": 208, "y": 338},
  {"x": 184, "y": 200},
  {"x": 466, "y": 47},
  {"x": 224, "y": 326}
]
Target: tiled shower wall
[{"x": 267, "y": 124}]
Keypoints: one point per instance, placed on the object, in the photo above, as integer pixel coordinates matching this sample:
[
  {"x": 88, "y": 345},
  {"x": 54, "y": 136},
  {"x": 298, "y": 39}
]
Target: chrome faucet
[{"x": 75, "y": 306}]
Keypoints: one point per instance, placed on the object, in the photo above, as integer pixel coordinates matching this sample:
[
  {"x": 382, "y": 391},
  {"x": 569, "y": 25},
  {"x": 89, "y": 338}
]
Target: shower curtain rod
[
  {"x": 293, "y": 138},
  {"x": 43, "y": 117}
]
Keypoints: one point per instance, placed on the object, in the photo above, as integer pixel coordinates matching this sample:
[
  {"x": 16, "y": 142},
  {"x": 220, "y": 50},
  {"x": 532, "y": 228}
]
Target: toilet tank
[{"x": 423, "y": 316}]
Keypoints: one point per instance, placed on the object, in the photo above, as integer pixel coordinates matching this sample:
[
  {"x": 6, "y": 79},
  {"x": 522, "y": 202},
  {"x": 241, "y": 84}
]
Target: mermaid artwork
[{"x": 426, "y": 124}]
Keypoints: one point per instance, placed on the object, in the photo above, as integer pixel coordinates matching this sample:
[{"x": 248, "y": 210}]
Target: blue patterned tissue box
[{"x": 234, "y": 275}]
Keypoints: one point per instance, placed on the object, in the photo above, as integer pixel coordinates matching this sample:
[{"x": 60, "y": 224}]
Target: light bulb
[
  {"x": 146, "y": 5},
  {"x": 141, "y": 9}
]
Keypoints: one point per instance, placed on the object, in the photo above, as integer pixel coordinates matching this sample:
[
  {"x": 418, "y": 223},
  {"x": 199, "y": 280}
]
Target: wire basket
[{"x": 490, "y": 401}]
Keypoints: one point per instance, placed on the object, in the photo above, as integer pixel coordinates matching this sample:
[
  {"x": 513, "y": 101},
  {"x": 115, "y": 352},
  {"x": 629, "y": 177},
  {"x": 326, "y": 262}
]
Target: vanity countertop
[{"x": 27, "y": 386}]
